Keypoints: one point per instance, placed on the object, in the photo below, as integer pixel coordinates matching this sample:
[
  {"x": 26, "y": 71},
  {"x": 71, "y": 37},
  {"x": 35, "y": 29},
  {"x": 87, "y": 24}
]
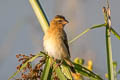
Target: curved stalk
[{"x": 41, "y": 16}]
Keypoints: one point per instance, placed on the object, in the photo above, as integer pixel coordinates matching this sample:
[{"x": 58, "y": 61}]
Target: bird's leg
[
  {"x": 61, "y": 61},
  {"x": 57, "y": 64}
]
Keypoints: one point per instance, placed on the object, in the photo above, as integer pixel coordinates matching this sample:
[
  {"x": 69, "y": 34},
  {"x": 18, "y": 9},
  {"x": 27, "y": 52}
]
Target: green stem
[
  {"x": 115, "y": 33},
  {"x": 88, "y": 29},
  {"x": 108, "y": 45},
  {"x": 115, "y": 69},
  {"x": 109, "y": 55},
  {"x": 40, "y": 14}
]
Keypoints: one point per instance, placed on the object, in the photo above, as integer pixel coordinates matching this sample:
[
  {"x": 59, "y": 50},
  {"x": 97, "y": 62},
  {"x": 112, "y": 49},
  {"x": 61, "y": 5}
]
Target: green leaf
[
  {"x": 85, "y": 72},
  {"x": 66, "y": 71},
  {"x": 47, "y": 70},
  {"x": 88, "y": 29},
  {"x": 50, "y": 77},
  {"x": 59, "y": 72},
  {"x": 25, "y": 64}
]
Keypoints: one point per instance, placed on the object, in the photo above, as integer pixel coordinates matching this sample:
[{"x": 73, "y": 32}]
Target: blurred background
[{"x": 20, "y": 32}]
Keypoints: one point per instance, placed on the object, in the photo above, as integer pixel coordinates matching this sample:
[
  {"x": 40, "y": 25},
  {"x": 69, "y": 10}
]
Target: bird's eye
[{"x": 60, "y": 21}]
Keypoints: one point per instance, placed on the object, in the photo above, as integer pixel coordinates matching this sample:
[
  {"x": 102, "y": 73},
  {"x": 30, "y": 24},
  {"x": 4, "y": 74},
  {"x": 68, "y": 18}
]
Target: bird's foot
[{"x": 58, "y": 63}]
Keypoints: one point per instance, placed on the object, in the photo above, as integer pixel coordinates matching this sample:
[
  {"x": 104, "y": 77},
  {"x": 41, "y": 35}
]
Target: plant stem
[
  {"x": 109, "y": 55},
  {"x": 40, "y": 14},
  {"x": 115, "y": 33},
  {"x": 88, "y": 29},
  {"x": 108, "y": 43}
]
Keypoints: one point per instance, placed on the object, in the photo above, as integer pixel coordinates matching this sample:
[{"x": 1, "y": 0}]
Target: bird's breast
[{"x": 54, "y": 46}]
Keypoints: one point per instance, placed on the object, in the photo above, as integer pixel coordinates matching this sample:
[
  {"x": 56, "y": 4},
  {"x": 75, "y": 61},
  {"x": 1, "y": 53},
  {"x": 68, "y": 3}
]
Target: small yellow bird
[{"x": 55, "y": 40}]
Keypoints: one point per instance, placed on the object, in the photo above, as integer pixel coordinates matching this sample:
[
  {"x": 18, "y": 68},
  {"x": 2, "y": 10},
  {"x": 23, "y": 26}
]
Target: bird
[
  {"x": 55, "y": 43},
  {"x": 55, "y": 40}
]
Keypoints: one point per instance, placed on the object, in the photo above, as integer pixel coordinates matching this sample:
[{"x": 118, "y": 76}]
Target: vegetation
[{"x": 45, "y": 67}]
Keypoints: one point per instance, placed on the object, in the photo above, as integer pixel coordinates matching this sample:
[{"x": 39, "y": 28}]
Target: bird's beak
[{"x": 65, "y": 22}]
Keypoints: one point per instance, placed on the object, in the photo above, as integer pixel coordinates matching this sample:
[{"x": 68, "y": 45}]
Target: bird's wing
[{"x": 66, "y": 42}]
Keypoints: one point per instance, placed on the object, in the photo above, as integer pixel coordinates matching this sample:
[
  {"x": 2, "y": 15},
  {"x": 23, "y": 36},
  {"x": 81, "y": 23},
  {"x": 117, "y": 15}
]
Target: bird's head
[{"x": 59, "y": 20}]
